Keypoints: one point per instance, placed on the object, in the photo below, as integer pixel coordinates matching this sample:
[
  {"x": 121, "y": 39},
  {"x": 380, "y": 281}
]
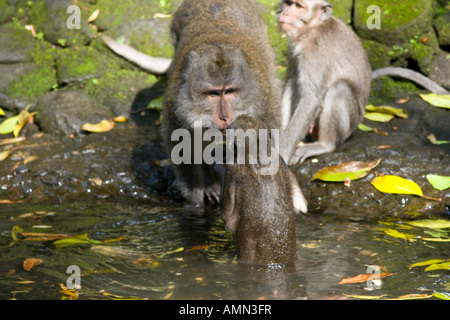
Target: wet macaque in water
[
  {"x": 223, "y": 67},
  {"x": 259, "y": 208},
  {"x": 328, "y": 81}
]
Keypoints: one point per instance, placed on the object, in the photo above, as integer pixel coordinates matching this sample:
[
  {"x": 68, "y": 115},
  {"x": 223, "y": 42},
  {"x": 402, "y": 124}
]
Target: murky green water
[{"x": 168, "y": 253}]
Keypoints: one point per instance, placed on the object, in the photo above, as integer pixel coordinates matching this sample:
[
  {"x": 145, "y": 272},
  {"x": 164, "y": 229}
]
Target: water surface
[{"x": 169, "y": 253}]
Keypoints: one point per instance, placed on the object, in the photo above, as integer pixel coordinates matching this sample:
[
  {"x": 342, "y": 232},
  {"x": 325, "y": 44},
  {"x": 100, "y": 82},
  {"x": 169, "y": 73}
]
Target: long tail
[
  {"x": 410, "y": 75},
  {"x": 146, "y": 62}
]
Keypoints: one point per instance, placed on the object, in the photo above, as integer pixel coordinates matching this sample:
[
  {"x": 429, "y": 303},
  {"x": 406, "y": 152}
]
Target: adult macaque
[
  {"x": 259, "y": 209},
  {"x": 223, "y": 67},
  {"x": 329, "y": 79}
]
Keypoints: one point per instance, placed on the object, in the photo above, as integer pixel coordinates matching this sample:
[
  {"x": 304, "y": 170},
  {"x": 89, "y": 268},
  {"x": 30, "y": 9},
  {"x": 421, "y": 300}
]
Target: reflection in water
[{"x": 169, "y": 253}]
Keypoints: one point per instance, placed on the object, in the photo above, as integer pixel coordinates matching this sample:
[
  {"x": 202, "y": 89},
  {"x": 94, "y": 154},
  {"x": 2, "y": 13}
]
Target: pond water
[{"x": 166, "y": 252}]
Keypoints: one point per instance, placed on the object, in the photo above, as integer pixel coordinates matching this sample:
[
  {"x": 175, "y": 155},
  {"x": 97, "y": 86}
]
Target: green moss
[
  {"x": 41, "y": 79},
  {"x": 377, "y": 53},
  {"x": 277, "y": 42},
  {"x": 395, "y": 15},
  {"x": 33, "y": 85},
  {"x": 156, "y": 44},
  {"x": 114, "y": 13},
  {"x": 78, "y": 64},
  {"x": 119, "y": 84},
  {"x": 342, "y": 9},
  {"x": 386, "y": 89}
]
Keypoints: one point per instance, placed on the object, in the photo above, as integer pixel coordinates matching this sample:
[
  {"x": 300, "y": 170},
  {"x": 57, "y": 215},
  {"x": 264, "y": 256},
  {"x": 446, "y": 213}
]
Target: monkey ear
[{"x": 327, "y": 11}]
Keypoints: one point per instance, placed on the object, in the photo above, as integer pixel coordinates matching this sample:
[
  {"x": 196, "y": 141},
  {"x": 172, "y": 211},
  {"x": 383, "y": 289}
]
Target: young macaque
[
  {"x": 259, "y": 209},
  {"x": 328, "y": 81}
]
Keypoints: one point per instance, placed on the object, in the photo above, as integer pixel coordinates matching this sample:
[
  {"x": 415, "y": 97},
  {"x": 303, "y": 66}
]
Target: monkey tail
[
  {"x": 410, "y": 75},
  {"x": 146, "y": 62}
]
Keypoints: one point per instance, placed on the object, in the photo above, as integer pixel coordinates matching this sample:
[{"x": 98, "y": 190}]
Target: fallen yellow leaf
[
  {"x": 120, "y": 119},
  {"x": 103, "y": 126},
  {"x": 364, "y": 277},
  {"x": 30, "y": 263},
  {"x": 29, "y": 159},
  {"x": 437, "y": 100},
  {"x": 4, "y": 154},
  {"x": 352, "y": 170},
  {"x": 93, "y": 16},
  {"x": 395, "y": 184}
]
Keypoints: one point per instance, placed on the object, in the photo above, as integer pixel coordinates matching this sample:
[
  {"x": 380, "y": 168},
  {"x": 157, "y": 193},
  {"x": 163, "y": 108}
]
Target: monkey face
[
  {"x": 295, "y": 14},
  {"x": 218, "y": 77}
]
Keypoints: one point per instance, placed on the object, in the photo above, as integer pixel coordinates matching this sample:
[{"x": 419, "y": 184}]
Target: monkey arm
[
  {"x": 228, "y": 201},
  {"x": 303, "y": 117},
  {"x": 286, "y": 104},
  {"x": 146, "y": 62},
  {"x": 410, "y": 75}
]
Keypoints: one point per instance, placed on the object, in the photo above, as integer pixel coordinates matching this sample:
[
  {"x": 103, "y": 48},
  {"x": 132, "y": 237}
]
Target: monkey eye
[
  {"x": 230, "y": 91},
  {"x": 298, "y": 5},
  {"x": 213, "y": 93}
]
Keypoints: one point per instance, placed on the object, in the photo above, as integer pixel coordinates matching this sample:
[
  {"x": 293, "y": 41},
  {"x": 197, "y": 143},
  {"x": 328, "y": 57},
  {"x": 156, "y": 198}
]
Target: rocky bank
[{"x": 70, "y": 77}]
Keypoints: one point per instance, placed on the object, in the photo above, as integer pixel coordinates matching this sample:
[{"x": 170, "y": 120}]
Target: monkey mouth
[{"x": 285, "y": 26}]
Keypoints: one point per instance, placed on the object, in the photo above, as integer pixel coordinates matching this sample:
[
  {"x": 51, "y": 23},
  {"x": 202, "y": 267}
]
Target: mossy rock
[
  {"x": 387, "y": 89},
  {"x": 32, "y": 80},
  {"x": 51, "y": 18},
  {"x": 17, "y": 43},
  {"x": 399, "y": 22},
  {"x": 342, "y": 9},
  {"x": 442, "y": 26},
  {"x": 118, "y": 88},
  {"x": 151, "y": 37},
  {"x": 114, "y": 13},
  {"x": 378, "y": 54},
  {"x": 78, "y": 64},
  {"x": 9, "y": 10},
  {"x": 63, "y": 112}
]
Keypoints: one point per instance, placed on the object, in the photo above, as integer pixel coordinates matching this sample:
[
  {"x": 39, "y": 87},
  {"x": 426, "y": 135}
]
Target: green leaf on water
[
  {"x": 78, "y": 239},
  {"x": 430, "y": 223},
  {"x": 439, "y": 266},
  {"x": 397, "y": 234},
  {"x": 170, "y": 252},
  {"x": 426, "y": 263},
  {"x": 16, "y": 233},
  {"x": 437, "y": 100},
  {"x": 439, "y": 182},
  {"x": 442, "y": 295},
  {"x": 436, "y": 239}
]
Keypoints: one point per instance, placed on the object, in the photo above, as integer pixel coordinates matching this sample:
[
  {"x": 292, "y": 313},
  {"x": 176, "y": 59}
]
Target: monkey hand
[
  {"x": 212, "y": 192},
  {"x": 309, "y": 150}
]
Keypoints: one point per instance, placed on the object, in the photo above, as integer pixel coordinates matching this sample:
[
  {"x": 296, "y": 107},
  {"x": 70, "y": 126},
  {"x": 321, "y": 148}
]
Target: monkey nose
[{"x": 222, "y": 124}]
